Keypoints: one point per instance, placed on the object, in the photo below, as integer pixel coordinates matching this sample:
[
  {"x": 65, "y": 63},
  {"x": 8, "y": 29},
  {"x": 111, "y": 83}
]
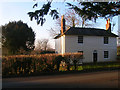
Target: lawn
[{"x": 89, "y": 66}]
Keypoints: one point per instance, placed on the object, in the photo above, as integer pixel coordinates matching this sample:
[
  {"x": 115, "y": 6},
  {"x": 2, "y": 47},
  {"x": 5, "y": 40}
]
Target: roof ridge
[
  {"x": 87, "y": 28},
  {"x": 87, "y": 31}
]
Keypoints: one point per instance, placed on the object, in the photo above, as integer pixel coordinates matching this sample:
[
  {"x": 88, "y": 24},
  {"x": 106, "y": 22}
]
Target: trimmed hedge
[
  {"x": 43, "y": 64},
  {"x": 29, "y": 64}
]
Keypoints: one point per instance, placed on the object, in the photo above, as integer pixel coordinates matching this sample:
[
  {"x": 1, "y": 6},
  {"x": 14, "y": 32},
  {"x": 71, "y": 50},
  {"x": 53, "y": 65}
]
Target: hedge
[{"x": 28, "y": 64}]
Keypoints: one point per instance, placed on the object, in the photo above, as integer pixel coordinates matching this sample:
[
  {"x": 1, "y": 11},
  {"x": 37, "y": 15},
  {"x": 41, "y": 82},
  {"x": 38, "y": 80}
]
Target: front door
[{"x": 94, "y": 57}]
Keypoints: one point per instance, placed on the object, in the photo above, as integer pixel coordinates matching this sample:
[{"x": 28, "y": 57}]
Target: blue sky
[{"x": 15, "y": 11}]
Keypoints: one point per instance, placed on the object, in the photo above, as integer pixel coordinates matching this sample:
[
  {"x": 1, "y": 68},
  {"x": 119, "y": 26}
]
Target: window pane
[
  {"x": 105, "y": 40},
  {"x": 105, "y": 54},
  {"x": 80, "y": 52},
  {"x": 80, "y": 39}
]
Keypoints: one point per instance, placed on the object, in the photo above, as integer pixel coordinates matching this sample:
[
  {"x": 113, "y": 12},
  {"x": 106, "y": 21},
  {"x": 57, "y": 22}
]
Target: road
[{"x": 103, "y": 79}]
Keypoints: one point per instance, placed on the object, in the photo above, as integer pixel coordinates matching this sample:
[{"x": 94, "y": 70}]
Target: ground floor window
[{"x": 106, "y": 54}]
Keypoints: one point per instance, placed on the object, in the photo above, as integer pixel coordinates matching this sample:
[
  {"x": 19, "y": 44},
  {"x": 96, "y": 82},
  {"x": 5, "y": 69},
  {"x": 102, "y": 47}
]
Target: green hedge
[
  {"x": 28, "y": 64},
  {"x": 22, "y": 65}
]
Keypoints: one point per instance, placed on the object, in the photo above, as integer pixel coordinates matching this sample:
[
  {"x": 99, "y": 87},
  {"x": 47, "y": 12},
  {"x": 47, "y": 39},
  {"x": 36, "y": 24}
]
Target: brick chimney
[
  {"x": 62, "y": 24},
  {"x": 108, "y": 25}
]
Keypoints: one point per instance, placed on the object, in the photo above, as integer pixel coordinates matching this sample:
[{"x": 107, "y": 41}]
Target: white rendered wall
[
  {"x": 91, "y": 43},
  {"x": 63, "y": 44},
  {"x": 60, "y": 45}
]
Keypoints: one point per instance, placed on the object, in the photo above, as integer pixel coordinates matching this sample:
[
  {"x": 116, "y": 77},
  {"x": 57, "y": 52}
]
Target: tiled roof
[{"x": 87, "y": 32}]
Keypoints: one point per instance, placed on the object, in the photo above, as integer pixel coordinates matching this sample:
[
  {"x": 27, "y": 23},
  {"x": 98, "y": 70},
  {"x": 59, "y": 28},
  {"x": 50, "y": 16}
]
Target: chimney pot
[{"x": 108, "y": 25}]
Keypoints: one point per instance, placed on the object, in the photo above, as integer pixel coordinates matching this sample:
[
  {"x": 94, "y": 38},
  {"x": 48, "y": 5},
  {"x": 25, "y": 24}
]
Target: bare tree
[
  {"x": 39, "y": 45},
  {"x": 42, "y": 45},
  {"x": 54, "y": 32},
  {"x": 45, "y": 44},
  {"x": 71, "y": 18}
]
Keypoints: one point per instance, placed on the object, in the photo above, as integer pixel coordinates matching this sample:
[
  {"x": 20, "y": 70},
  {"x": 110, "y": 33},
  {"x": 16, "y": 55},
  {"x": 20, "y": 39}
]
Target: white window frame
[
  {"x": 105, "y": 41},
  {"x": 80, "y": 39},
  {"x": 107, "y": 55}
]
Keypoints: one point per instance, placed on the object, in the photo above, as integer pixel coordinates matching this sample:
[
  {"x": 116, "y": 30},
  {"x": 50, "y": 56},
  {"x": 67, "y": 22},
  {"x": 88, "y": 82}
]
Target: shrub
[
  {"x": 27, "y": 64},
  {"x": 47, "y": 52},
  {"x": 118, "y": 57}
]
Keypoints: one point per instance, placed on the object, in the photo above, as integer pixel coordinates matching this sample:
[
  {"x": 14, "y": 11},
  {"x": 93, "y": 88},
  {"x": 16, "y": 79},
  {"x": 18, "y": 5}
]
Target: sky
[{"x": 11, "y": 10}]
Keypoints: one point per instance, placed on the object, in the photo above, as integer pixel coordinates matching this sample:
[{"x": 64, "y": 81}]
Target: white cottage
[{"x": 97, "y": 45}]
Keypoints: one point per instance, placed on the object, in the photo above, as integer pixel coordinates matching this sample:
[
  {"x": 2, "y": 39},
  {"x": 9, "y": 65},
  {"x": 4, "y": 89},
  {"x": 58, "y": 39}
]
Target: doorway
[{"x": 94, "y": 57}]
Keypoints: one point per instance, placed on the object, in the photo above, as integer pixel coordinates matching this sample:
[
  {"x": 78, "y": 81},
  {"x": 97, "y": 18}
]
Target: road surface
[{"x": 103, "y": 79}]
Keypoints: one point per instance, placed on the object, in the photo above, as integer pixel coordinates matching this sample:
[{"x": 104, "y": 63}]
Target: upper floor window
[
  {"x": 105, "y": 40},
  {"x": 80, "y": 39},
  {"x": 106, "y": 54}
]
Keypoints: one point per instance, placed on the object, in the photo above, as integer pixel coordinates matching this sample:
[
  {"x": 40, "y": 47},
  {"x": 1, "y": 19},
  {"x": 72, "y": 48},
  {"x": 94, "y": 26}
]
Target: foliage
[
  {"x": 88, "y": 11},
  {"x": 93, "y": 10},
  {"x": 118, "y": 50},
  {"x": 118, "y": 58},
  {"x": 118, "y": 53},
  {"x": 17, "y": 36},
  {"x": 74, "y": 59},
  {"x": 38, "y": 15},
  {"x": 95, "y": 66},
  {"x": 47, "y": 52},
  {"x": 29, "y": 64},
  {"x": 23, "y": 65},
  {"x": 58, "y": 60}
]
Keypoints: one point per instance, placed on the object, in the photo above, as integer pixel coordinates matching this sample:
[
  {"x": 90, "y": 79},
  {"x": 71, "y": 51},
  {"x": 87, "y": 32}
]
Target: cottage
[{"x": 97, "y": 45}]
